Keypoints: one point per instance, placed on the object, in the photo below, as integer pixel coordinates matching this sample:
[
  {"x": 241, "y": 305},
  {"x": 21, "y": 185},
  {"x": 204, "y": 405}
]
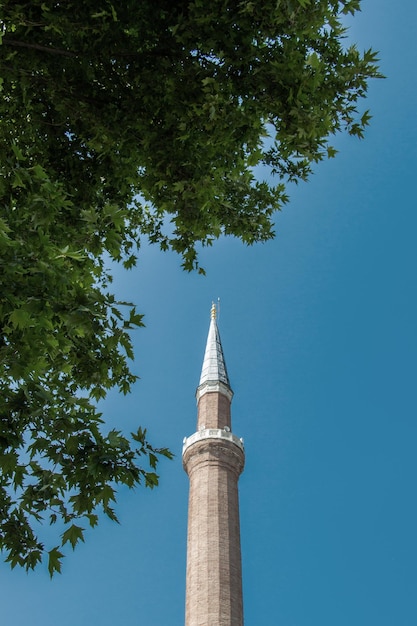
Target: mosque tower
[{"x": 213, "y": 458}]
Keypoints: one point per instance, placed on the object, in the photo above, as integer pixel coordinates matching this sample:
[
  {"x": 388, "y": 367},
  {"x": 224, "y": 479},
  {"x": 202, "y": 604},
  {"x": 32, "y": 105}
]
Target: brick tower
[{"x": 213, "y": 458}]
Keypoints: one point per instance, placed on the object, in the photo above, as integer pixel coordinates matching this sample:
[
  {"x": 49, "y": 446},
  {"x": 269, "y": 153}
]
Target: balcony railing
[{"x": 212, "y": 433}]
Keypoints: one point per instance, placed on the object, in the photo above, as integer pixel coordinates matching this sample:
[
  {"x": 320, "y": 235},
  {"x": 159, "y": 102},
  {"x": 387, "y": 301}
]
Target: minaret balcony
[{"x": 212, "y": 433}]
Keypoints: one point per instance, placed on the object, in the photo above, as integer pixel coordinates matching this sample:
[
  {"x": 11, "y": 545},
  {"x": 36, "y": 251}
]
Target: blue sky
[{"x": 319, "y": 335}]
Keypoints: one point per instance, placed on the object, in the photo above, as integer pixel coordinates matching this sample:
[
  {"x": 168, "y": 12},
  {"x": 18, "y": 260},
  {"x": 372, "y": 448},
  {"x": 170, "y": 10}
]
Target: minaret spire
[
  {"x": 213, "y": 458},
  {"x": 214, "y": 375}
]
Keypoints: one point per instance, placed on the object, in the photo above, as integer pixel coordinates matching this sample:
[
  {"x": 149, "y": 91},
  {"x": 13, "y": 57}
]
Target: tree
[{"x": 122, "y": 120}]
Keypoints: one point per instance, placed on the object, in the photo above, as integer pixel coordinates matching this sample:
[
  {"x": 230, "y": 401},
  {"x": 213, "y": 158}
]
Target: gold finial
[{"x": 213, "y": 311}]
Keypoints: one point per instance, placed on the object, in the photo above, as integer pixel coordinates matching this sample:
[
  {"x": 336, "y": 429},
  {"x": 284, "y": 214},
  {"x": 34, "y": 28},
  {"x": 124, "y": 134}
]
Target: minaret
[{"x": 213, "y": 458}]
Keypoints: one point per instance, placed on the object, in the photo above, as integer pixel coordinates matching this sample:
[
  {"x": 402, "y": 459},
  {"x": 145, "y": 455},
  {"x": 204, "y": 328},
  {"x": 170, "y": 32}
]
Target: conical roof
[{"x": 214, "y": 366}]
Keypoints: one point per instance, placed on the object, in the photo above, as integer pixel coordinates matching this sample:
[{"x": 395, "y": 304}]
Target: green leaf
[
  {"x": 151, "y": 480},
  {"x": 39, "y": 172},
  {"x": 107, "y": 494},
  {"x": 135, "y": 319},
  {"x": 139, "y": 435},
  {"x": 313, "y": 59},
  {"x": 20, "y": 318},
  {"x": 54, "y": 561},
  {"x": 114, "y": 14},
  {"x": 8, "y": 462},
  {"x": 93, "y": 520},
  {"x": 73, "y": 534},
  {"x": 365, "y": 119},
  {"x": 17, "y": 152},
  {"x": 33, "y": 558}
]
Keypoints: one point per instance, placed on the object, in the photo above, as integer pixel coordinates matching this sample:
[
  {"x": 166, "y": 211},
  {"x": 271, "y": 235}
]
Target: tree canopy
[{"x": 122, "y": 120}]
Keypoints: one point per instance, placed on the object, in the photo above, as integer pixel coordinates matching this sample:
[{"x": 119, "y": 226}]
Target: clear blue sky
[{"x": 319, "y": 334}]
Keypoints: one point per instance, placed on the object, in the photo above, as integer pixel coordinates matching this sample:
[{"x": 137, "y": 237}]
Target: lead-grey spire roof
[{"x": 214, "y": 371}]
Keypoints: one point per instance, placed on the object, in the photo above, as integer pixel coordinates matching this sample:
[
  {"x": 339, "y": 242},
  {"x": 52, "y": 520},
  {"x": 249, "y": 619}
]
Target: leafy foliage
[{"x": 122, "y": 119}]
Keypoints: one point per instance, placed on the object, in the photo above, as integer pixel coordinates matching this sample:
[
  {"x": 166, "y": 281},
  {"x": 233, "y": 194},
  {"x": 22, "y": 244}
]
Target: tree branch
[{"x": 35, "y": 46}]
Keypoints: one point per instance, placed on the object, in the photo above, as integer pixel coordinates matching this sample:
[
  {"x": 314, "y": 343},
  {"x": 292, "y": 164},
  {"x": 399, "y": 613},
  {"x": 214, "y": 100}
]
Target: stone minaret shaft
[{"x": 213, "y": 458}]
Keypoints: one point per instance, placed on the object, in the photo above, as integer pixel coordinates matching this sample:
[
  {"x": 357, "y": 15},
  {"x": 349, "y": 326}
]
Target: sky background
[{"x": 319, "y": 335}]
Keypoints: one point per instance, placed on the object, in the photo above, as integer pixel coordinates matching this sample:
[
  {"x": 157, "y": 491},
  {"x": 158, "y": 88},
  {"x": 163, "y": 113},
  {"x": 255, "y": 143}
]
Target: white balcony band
[
  {"x": 209, "y": 386},
  {"x": 212, "y": 433}
]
